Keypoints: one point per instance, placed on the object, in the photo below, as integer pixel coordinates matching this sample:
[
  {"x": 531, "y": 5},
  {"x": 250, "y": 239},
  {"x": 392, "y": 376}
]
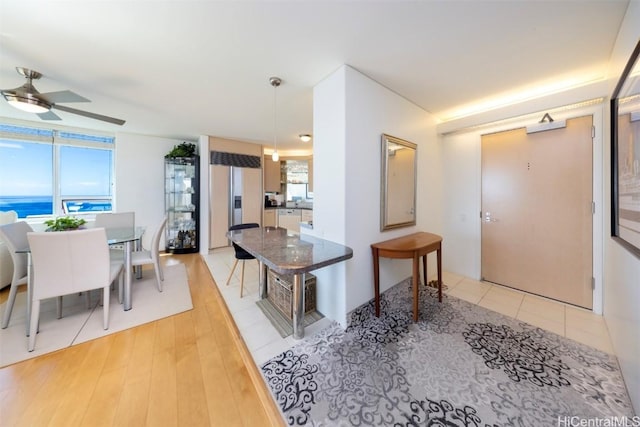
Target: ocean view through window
[{"x": 48, "y": 173}]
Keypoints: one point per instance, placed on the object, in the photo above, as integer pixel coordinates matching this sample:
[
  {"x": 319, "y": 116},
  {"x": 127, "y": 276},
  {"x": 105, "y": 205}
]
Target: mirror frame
[
  {"x": 622, "y": 93},
  {"x": 387, "y": 140}
]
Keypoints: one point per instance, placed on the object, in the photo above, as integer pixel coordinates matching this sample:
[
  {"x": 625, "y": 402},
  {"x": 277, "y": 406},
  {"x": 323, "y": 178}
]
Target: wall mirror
[
  {"x": 398, "y": 195},
  {"x": 625, "y": 156}
]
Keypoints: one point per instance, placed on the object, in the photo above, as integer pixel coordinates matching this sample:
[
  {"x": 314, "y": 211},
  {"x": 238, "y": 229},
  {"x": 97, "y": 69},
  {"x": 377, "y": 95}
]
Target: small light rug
[
  {"x": 459, "y": 365},
  {"x": 80, "y": 324},
  {"x": 280, "y": 322}
]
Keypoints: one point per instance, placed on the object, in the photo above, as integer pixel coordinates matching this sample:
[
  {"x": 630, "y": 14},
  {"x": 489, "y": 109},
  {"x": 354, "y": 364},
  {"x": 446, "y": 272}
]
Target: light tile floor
[
  {"x": 261, "y": 338},
  {"x": 563, "y": 319},
  {"x": 264, "y": 341}
]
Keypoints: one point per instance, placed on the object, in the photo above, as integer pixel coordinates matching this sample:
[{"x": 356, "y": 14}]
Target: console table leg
[
  {"x": 416, "y": 281},
  {"x": 424, "y": 269},
  {"x": 439, "y": 253},
  {"x": 376, "y": 280}
]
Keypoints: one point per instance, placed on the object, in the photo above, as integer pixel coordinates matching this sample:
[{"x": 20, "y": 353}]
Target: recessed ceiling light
[{"x": 305, "y": 137}]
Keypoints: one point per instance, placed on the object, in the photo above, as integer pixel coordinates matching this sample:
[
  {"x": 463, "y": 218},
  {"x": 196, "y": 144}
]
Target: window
[{"x": 47, "y": 172}]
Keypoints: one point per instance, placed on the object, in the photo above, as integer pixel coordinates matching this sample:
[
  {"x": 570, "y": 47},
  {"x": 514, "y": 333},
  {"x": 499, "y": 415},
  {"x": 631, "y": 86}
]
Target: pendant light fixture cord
[{"x": 275, "y": 82}]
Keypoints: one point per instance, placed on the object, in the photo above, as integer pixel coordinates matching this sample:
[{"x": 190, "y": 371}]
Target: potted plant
[
  {"x": 64, "y": 223},
  {"x": 186, "y": 149}
]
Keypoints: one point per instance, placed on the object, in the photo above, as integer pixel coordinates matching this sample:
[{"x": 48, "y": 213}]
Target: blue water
[
  {"x": 27, "y": 205},
  {"x": 43, "y": 205}
]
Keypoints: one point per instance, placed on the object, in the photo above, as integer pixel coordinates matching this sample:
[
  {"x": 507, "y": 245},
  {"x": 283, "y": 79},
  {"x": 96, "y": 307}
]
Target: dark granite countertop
[{"x": 286, "y": 252}]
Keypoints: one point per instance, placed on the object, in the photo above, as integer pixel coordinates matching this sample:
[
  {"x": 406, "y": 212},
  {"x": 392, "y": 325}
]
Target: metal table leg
[
  {"x": 264, "y": 273},
  {"x": 138, "y": 269},
  {"x": 29, "y": 290},
  {"x": 127, "y": 276},
  {"x": 298, "y": 306}
]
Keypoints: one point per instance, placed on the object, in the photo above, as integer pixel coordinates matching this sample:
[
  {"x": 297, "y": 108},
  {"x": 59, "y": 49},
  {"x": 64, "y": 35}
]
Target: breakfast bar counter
[{"x": 286, "y": 252}]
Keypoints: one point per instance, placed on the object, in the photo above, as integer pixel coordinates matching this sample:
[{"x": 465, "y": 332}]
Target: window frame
[{"x": 60, "y": 136}]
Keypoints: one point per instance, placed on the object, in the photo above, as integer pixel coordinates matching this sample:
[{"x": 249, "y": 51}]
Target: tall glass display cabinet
[{"x": 182, "y": 204}]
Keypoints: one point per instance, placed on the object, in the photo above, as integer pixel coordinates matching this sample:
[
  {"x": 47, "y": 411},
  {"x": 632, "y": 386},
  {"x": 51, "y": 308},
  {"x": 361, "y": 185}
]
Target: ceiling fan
[{"x": 27, "y": 98}]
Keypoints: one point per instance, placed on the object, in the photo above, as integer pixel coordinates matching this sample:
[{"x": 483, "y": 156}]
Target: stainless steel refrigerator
[{"x": 235, "y": 195}]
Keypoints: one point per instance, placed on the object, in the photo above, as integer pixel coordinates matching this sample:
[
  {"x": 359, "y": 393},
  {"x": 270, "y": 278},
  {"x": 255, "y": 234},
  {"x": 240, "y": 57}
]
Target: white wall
[
  {"x": 139, "y": 172},
  {"x": 461, "y": 155},
  {"x": 205, "y": 203},
  {"x": 622, "y": 269},
  {"x": 329, "y": 189},
  {"x": 351, "y": 112}
]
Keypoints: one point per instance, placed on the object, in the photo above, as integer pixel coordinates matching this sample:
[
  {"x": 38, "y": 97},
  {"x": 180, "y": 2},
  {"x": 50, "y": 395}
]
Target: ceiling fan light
[
  {"x": 304, "y": 137},
  {"x": 30, "y": 105}
]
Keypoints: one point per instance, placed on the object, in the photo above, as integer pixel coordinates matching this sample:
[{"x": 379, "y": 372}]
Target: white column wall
[
  {"x": 329, "y": 189},
  {"x": 205, "y": 203},
  {"x": 461, "y": 201},
  {"x": 139, "y": 164},
  {"x": 351, "y": 112}
]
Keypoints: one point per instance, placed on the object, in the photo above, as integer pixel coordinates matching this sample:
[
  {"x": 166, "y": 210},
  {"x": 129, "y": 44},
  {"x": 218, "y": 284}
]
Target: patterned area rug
[{"x": 460, "y": 365}]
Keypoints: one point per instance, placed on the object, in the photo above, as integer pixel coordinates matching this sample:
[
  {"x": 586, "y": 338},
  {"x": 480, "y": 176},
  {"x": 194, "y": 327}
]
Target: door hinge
[
  {"x": 593, "y": 283},
  {"x": 593, "y": 208},
  {"x": 480, "y": 214},
  {"x": 593, "y": 132}
]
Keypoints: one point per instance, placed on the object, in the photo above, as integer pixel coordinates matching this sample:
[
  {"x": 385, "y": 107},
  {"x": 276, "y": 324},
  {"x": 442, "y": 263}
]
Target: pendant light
[{"x": 275, "y": 82}]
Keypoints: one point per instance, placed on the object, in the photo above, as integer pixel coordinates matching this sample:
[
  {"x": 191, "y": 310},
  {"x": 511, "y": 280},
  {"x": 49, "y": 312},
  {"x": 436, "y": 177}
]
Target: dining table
[
  {"x": 126, "y": 236},
  {"x": 287, "y": 252}
]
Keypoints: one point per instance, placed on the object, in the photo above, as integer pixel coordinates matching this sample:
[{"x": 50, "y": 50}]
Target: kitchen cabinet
[
  {"x": 290, "y": 219},
  {"x": 271, "y": 175},
  {"x": 270, "y": 218},
  {"x": 307, "y": 215},
  {"x": 181, "y": 196}
]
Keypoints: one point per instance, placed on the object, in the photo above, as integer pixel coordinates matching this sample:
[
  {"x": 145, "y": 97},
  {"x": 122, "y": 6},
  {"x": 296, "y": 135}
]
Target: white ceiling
[{"x": 180, "y": 69}]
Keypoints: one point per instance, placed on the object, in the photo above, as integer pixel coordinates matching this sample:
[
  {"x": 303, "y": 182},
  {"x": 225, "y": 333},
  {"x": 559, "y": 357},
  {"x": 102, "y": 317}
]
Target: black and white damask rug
[{"x": 460, "y": 365}]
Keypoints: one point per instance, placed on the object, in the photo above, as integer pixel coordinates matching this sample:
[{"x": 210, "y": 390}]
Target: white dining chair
[
  {"x": 15, "y": 237},
  {"x": 68, "y": 262},
  {"x": 116, "y": 220},
  {"x": 152, "y": 256},
  {"x": 6, "y": 264}
]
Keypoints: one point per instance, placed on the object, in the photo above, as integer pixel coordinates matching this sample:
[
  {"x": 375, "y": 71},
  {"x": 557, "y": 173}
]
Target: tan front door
[{"x": 537, "y": 211}]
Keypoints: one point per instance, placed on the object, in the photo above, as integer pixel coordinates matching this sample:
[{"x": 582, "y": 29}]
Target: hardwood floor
[{"x": 191, "y": 369}]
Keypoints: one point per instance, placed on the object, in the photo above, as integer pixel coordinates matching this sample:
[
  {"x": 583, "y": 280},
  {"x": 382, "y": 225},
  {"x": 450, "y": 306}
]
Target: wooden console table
[{"x": 416, "y": 246}]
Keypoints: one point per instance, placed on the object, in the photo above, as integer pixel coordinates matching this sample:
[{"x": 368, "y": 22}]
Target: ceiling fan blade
[
  {"x": 49, "y": 115},
  {"x": 62, "y": 96},
  {"x": 88, "y": 114}
]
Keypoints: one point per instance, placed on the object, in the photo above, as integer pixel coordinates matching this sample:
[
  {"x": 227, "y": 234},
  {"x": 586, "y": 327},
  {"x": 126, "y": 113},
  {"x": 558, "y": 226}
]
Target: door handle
[{"x": 487, "y": 217}]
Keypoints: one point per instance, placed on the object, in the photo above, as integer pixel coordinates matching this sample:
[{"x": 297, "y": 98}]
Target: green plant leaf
[{"x": 64, "y": 223}]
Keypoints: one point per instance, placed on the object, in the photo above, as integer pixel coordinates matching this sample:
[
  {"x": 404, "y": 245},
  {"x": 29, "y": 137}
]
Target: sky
[{"x": 26, "y": 170}]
